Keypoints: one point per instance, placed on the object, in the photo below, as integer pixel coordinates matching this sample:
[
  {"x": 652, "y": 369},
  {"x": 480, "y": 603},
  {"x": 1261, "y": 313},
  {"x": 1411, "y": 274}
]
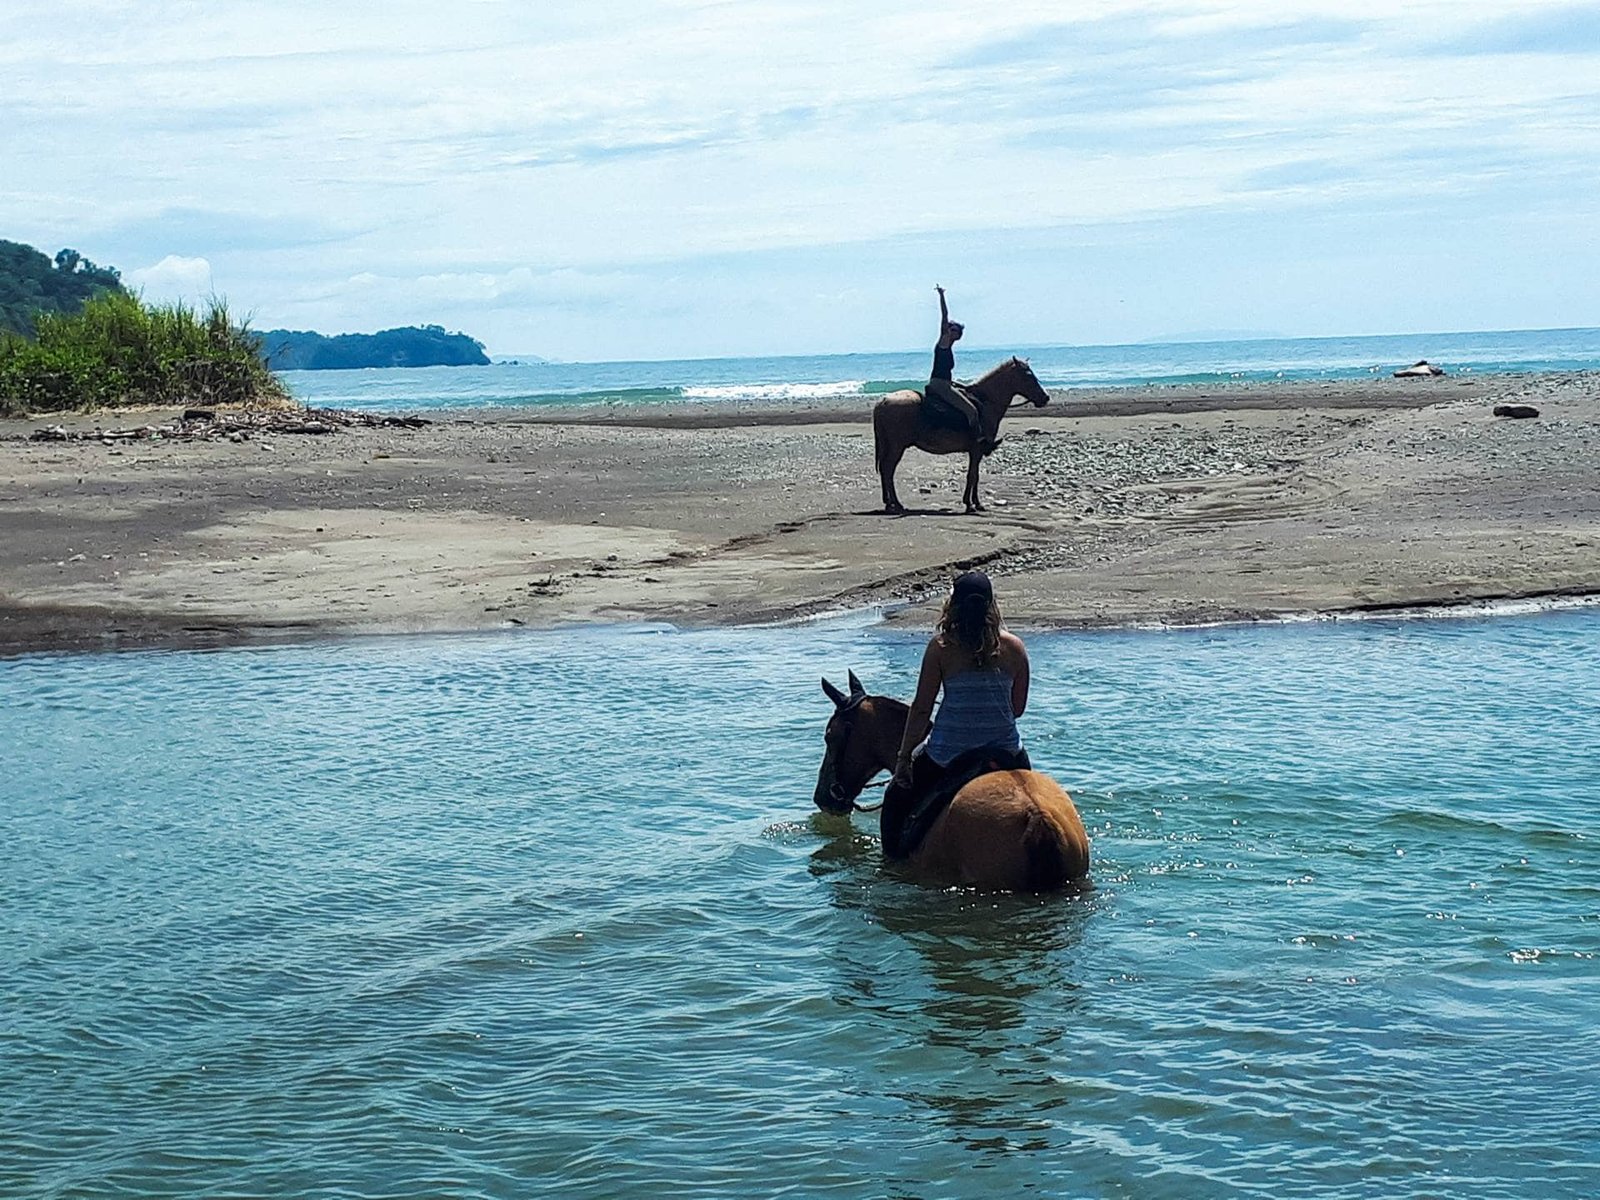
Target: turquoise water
[
  {"x": 549, "y": 915},
  {"x": 843, "y": 376}
]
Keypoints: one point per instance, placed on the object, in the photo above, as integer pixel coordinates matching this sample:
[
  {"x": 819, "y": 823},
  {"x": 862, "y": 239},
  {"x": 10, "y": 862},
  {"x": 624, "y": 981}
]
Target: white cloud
[
  {"x": 174, "y": 278},
  {"x": 485, "y": 162}
]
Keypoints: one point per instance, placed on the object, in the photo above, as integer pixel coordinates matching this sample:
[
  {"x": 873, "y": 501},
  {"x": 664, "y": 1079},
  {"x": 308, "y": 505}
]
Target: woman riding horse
[
  {"x": 982, "y": 669},
  {"x": 986, "y": 819},
  {"x": 942, "y": 386}
]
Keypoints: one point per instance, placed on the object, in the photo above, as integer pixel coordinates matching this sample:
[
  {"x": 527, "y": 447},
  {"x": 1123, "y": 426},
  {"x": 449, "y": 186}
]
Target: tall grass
[{"x": 117, "y": 350}]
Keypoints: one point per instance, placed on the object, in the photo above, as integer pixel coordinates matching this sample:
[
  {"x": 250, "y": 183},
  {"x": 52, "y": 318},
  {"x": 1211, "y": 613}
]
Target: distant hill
[
  {"x": 31, "y": 282},
  {"x": 411, "y": 346}
]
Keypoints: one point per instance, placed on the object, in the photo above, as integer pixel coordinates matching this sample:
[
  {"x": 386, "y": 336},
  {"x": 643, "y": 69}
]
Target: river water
[{"x": 548, "y": 914}]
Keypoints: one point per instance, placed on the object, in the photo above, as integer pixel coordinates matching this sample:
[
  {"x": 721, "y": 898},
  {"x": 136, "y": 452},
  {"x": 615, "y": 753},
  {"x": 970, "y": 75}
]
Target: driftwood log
[{"x": 211, "y": 425}]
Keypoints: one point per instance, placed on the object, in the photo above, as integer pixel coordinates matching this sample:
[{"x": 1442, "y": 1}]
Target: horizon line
[{"x": 547, "y": 360}]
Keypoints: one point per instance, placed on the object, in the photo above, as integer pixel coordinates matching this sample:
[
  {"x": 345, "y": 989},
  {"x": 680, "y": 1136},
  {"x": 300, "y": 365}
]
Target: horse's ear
[
  {"x": 855, "y": 687},
  {"x": 839, "y": 698}
]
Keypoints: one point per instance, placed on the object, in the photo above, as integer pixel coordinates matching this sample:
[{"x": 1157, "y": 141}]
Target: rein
[
  {"x": 856, "y": 806},
  {"x": 867, "y": 808}
]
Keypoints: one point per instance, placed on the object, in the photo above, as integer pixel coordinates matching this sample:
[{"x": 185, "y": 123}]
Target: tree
[{"x": 32, "y": 283}]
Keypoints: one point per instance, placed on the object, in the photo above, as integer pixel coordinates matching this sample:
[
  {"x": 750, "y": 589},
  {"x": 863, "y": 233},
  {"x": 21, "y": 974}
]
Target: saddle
[
  {"x": 963, "y": 769},
  {"x": 939, "y": 415}
]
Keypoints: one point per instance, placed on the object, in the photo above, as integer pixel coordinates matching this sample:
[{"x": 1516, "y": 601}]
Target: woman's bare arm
[
  {"x": 1020, "y": 680},
  {"x": 920, "y": 719}
]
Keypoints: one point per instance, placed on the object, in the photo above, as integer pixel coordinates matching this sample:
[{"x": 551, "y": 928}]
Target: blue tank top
[{"x": 975, "y": 711}]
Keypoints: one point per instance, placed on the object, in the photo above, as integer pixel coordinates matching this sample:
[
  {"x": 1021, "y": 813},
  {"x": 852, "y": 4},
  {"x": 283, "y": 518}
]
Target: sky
[{"x": 627, "y": 180}]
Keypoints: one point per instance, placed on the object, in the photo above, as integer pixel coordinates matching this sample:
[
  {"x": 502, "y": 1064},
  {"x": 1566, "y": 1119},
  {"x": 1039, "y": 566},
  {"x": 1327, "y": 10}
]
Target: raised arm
[
  {"x": 949, "y": 331},
  {"x": 921, "y": 717}
]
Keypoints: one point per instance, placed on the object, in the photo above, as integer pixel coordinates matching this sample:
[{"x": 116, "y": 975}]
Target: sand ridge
[{"x": 1150, "y": 505}]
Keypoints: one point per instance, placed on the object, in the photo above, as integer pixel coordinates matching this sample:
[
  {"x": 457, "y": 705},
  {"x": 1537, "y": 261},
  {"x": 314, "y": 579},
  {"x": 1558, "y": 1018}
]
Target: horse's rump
[
  {"x": 925, "y": 405},
  {"x": 1012, "y": 830},
  {"x": 905, "y": 825}
]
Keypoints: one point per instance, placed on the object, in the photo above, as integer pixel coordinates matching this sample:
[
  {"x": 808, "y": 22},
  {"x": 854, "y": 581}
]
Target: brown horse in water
[
  {"x": 899, "y": 422},
  {"x": 1014, "y": 831}
]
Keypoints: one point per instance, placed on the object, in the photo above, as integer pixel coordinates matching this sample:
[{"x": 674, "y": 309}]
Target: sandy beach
[{"x": 1115, "y": 506}]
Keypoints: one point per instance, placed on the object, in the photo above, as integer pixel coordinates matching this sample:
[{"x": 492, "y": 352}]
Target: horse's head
[
  {"x": 1027, "y": 383},
  {"x": 1010, "y": 379},
  {"x": 851, "y": 756}
]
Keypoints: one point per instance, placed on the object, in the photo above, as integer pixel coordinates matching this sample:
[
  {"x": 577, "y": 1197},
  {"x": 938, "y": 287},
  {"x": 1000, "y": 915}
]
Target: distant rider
[{"x": 941, "y": 386}]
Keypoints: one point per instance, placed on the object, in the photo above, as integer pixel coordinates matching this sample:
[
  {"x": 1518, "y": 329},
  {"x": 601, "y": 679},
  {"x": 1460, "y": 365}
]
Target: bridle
[
  {"x": 846, "y": 715},
  {"x": 856, "y": 805},
  {"x": 836, "y": 794},
  {"x": 1018, "y": 400}
]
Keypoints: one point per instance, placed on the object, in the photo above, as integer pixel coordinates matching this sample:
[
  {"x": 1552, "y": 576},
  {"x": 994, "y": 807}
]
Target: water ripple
[{"x": 550, "y": 915}]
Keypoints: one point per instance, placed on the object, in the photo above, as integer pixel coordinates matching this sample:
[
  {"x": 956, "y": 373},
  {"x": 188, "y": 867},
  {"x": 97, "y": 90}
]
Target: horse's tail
[{"x": 1054, "y": 853}]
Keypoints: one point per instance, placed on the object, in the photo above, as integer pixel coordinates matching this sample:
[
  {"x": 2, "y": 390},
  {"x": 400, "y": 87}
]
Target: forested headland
[
  {"x": 32, "y": 283},
  {"x": 411, "y": 346},
  {"x": 72, "y": 337}
]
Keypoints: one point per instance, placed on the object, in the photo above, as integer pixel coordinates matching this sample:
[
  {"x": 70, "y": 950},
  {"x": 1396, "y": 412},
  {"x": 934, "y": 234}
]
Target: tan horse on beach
[
  {"x": 901, "y": 420},
  {"x": 1014, "y": 831}
]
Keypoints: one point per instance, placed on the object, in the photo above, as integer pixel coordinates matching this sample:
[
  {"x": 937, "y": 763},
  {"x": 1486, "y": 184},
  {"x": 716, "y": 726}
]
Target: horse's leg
[
  {"x": 887, "y": 466},
  {"x": 970, "y": 496},
  {"x": 877, "y": 456},
  {"x": 880, "y": 455},
  {"x": 896, "y": 428}
]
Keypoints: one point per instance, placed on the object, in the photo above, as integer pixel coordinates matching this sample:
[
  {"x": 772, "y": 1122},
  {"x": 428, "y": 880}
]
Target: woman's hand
[{"x": 902, "y": 772}]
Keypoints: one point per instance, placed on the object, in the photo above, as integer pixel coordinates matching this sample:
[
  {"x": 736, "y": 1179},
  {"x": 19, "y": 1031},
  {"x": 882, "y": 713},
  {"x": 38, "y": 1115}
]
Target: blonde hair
[{"x": 978, "y": 635}]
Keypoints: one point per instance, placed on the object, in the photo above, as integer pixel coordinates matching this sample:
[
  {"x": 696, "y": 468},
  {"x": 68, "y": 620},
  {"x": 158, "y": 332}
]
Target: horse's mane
[{"x": 1011, "y": 364}]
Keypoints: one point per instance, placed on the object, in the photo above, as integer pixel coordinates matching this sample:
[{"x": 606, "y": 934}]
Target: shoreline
[
  {"x": 1167, "y": 506},
  {"x": 1097, "y": 400},
  {"x": 160, "y": 639}
]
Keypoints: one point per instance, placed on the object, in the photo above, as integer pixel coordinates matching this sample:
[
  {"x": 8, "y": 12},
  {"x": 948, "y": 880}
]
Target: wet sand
[{"x": 1110, "y": 506}]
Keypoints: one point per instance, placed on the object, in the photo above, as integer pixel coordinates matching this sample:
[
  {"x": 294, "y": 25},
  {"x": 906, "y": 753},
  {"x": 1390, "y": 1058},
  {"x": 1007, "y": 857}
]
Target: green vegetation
[
  {"x": 412, "y": 346},
  {"x": 72, "y": 338},
  {"x": 30, "y": 284},
  {"x": 121, "y": 351}
]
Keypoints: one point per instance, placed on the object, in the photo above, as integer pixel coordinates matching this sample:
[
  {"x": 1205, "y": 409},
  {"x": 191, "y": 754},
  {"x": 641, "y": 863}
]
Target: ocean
[
  {"x": 843, "y": 376},
  {"x": 550, "y": 914}
]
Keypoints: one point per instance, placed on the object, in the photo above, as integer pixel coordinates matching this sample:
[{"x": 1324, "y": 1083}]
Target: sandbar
[{"x": 1157, "y": 505}]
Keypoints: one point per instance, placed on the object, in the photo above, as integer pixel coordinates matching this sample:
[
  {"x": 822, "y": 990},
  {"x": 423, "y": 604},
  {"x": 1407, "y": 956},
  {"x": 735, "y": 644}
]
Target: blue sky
[{"x": 676, "y": 179}]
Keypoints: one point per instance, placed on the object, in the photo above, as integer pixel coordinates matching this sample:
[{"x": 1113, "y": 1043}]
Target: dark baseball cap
[{"x": 972, "y": 586}]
